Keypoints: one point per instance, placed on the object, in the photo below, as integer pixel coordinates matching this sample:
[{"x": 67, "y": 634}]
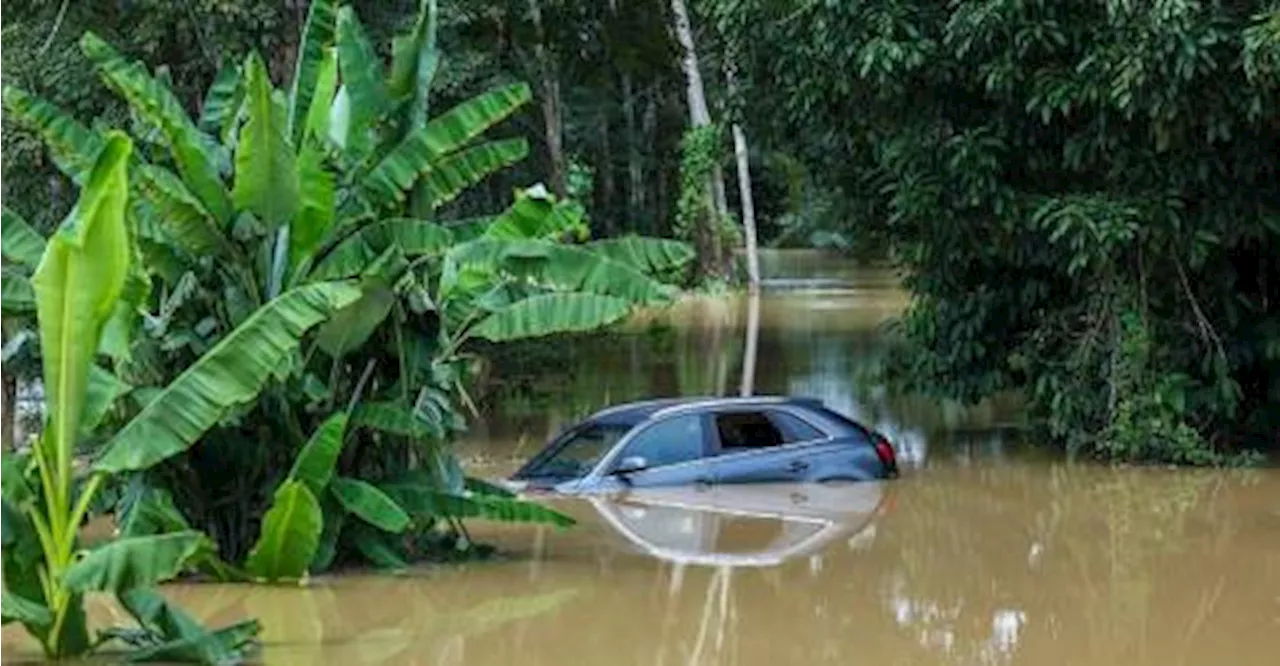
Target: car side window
[
  {"x": 675, "y": 440},
  {"x": 749, "y": 431},
  {"x": 794, "y": 429},
  {"x": 745, "y": 431}
]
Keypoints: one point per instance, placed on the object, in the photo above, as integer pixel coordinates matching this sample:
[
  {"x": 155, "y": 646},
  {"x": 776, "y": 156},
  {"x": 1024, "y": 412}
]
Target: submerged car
[{"x": 688, "y": 441}]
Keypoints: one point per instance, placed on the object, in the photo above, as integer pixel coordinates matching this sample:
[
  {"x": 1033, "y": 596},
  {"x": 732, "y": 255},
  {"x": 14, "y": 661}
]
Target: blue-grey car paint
[{"x": 846, "y": 458}]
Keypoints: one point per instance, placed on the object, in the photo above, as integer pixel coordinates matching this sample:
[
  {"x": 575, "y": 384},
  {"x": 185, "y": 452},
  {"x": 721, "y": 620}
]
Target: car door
[
  {"x": 761, "y": 446},
  {"x": 673, "y": 448}
]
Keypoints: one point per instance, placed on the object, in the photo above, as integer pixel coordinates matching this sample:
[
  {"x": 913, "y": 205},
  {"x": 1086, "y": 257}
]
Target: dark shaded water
[{"x": 983, "y": 553}]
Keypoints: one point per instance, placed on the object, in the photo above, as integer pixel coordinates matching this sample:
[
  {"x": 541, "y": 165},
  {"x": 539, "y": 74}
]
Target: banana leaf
[
  {"x": 289, "y": 536},
  {"x": 549, "y": 314},
  {"x": 266, "y": 167},
  {"x": 73, "y": 146},
  {"x": 370, "y": 504},
  {"x": 21, "y": 243},
  {"x": 134, "y": 562},
  {"x": 318, "y": 35},
  {"x": 227, "y": 376},
  {"x": 315, "y": 462},
  {"x": 420, "y": 149}
]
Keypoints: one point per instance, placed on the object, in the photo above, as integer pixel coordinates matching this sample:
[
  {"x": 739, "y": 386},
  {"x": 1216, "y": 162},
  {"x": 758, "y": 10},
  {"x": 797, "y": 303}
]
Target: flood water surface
[
  {"x": 984, "y": 552},
  {"x": 998, "y": 562}
]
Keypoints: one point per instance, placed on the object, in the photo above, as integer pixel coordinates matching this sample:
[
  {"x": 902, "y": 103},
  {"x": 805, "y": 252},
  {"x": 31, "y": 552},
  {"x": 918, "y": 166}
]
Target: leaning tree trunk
[
  {"x": 700, "y": 116},
  {"x": 550, "y": 94}
]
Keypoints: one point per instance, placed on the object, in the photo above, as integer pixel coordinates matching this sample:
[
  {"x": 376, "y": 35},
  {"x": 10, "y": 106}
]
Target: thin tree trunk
[
  {"x": 550, "y": 94},
  {"x": 635, "y": 170},
  {"x": 751, "y": 349},
  {"x": 744, "y": 191},
  {"x": 700, "y": 116},
  {"x": 635, "y": 173},
  {"x": 604, "y": 168},
  {"x": 649, "y": 130}
]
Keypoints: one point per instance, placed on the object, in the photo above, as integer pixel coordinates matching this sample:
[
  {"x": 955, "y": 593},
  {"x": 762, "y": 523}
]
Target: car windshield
[{"x": 577, "y": 452}]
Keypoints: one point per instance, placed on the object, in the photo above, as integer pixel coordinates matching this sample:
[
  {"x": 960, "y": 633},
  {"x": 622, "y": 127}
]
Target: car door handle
[{"x": 798, "y": 466}]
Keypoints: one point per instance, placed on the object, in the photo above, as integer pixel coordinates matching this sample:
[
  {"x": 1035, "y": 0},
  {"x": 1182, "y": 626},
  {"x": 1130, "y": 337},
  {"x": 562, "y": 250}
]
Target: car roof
[{"x": 634, "y": 413}]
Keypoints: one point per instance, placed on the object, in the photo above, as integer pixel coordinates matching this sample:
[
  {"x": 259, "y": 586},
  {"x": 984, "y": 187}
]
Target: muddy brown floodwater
[{"x": 984, "y": 552}]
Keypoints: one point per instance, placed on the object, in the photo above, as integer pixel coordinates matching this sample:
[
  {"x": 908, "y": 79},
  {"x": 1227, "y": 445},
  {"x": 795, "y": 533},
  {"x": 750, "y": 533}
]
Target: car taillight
[{"x": 884, "y": 450}]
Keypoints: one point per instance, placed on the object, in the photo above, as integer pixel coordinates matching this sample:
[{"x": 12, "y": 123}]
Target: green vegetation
[
  {"x": 294, "y": 337},
  {"x": 79, "y": 278},
  {"x": 1086, "y": 199}
]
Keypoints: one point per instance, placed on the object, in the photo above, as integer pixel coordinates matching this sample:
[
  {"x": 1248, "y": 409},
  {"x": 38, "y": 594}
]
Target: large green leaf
[
  {"x": 420, "y": 149},
  {"x": 133, "y": 562},
  {"x": 18, "y": 295},
  {"x": 150, "y": 511},
  {"x": 185, "y": 221},
  {"x": 77, "y": 285},
  {"x": 317, "y": 38},
  {"x": 195, "y": 153},
  {"x": 322, "y": 101},
  {"x": 227, "y": 376},
  {"x": 356, "y": 252},
  {"x": 175, "y": 637},
  {"x": 315, "y": 462},
  {"x": 290, "y": 534},
  {"x": 222, "y": 101},
  {"x": 370, "y": 504},
  {"x": 549, "y": 314},
  {"x": 453, "y": 174},
  {"x": 362, "y": 81},
  {"x": 73, "y": 146},
  {"x": 526, "y": 217},
  {"x": 423, "y": 500},
  {"x": 653, "y": 256},
  {"x": 377, "y": 547},
  {"x": 335, "y": 520},
  {"x": 13, "y": 476},
  {"x": 266, "y": 167},
  {"x": 394, "y": 418},
  {"x": 20, "y": 609},
  {"x": 414, "y": 59},
  {"x": 103, "y": 390},
  {"x": 22, "y": 244},
  {"x": 315, "y": 217},
  {"x": 350, "y": 327},
  {"x": 562, "y": 267}
]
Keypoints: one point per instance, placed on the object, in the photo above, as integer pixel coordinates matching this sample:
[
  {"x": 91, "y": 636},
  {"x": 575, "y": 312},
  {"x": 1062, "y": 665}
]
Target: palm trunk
[
  {"x": 550, "y": 94},
  {"x": 700, "y": 116}
]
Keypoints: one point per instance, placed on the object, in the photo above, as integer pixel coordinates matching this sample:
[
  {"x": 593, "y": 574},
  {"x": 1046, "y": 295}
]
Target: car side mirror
[{"x": 631, "y": 465}]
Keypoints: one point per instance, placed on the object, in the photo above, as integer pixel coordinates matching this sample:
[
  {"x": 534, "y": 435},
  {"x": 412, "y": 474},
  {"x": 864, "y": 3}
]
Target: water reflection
[{"x": 744, "y": 525}]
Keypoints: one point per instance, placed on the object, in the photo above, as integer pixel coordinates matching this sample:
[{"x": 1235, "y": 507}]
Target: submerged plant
[
  {"x": 272, "y": 211},
  {"x": 77, "y": 284}
]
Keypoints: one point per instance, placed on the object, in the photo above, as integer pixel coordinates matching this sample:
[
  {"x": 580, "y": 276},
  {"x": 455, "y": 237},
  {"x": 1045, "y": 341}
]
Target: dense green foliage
[
  {"x": 272, "y": 214},
  {"x": 79, "y": 278},
  {"x": 1087, "y": 199}
]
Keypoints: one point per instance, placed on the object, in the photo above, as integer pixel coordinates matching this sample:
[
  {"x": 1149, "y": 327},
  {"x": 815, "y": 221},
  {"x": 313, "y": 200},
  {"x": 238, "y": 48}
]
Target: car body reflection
[{"x": 740, "y": 525}]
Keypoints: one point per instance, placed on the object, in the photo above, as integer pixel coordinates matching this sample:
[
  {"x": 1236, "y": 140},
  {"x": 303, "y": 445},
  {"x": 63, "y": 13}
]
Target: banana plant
[
  {"x": 77, "y": 282},
  {"x": 270, "y": 198}
]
